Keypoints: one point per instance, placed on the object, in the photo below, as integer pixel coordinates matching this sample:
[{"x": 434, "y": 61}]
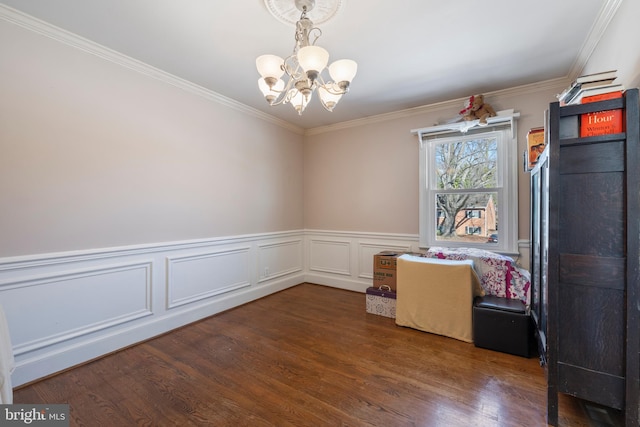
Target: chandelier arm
[
  {"x": 320, "y": 81},
  {"x": 291, "y": 67},
  {"x": 282, "y": 95},
  {"x": 335, "y": 89},
  {"x": 319, "y": 33}
]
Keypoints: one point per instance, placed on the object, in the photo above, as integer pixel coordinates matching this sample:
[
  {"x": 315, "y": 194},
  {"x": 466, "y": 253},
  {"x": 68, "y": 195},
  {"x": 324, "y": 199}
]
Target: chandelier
[{"x": 304, "y": 69}]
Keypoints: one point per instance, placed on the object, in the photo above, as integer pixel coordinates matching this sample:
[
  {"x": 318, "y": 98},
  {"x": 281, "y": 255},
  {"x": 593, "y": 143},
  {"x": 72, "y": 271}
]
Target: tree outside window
[
  {"x": 462, "y": 165},
  {"x": 469, "y": 194}
]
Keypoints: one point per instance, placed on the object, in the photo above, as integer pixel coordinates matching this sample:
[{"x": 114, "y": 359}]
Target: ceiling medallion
[{"x": 288, "y": 11}]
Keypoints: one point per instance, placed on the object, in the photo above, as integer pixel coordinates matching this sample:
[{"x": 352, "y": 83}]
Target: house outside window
[{"x": 468, "y": 188}]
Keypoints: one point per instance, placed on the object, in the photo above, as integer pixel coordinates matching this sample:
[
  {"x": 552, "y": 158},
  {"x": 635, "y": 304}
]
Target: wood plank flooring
[{"x": 306, "y": 356}]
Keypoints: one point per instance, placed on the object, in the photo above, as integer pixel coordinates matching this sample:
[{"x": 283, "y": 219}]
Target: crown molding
[
  {"x": 553, "y": 84},
  {"x": 607, "y": 12},
  {"x": 73, "y": 40},
  {"x": 9, "y": 14}
]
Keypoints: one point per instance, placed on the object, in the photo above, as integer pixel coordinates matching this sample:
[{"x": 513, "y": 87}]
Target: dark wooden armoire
[{"x": 585, "y": 258}]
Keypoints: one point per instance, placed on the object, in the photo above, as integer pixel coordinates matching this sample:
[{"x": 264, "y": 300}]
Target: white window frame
[{"x": 504, "y": 126}]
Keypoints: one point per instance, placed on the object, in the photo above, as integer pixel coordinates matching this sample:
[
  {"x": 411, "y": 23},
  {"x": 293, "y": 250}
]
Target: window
[
  {"x": 468, "y": 190},
  {"x": 473, "y": 230}
]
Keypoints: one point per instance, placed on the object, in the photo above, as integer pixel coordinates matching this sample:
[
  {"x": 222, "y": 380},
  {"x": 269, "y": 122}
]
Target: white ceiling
[{"x": 409, "y": 52}]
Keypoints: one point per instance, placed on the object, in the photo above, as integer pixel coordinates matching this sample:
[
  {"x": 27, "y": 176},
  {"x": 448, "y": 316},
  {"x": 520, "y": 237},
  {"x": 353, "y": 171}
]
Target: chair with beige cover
[{"x": 436, "y": 295}]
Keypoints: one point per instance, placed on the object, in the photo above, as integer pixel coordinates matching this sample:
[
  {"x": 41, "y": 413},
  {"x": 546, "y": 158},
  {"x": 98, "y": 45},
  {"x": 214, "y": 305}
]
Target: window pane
[
  {"x": 467, "y": 217},
  {"x": 466, "y": 164}
]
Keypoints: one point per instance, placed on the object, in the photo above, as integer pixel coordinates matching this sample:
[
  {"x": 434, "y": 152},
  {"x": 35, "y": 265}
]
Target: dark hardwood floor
[{"x": 306, "y": 356}]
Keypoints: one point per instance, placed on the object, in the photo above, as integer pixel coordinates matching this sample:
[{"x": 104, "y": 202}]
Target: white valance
[{"x": 506, "y": 117}]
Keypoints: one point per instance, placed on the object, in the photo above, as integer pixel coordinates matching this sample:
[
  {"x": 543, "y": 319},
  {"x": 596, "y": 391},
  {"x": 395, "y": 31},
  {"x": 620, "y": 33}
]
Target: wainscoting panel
[
  {"x": 345, "y": 259},
  {"x": 67, "y": 308},
  {"x": 64, "y": 309},
  {"x": 195, "y": 277},
  {"x": 279, "y": 259},
  {"x": 330, "y": 256},
  {"x": 75, "y": 303}
]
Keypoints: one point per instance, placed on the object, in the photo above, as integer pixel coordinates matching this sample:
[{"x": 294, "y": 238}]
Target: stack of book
[
  {"x": 592, "y": 88},
  {"x": 585, "y": 87}
]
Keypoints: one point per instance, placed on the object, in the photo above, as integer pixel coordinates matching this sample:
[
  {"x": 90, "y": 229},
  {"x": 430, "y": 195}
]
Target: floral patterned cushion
[{"x": 499, "y": 274}]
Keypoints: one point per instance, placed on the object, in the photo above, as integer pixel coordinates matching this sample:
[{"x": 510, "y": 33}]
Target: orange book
[
  {"x": 602, "y": 97},
  {"x": 601, "y": 122}
]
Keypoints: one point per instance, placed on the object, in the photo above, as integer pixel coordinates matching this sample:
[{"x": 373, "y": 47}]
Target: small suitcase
[{"x": 381, "y": 301}]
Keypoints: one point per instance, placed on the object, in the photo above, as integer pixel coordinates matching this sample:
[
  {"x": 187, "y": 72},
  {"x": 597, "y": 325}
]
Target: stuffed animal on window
[{"x": 477, "y": 109}]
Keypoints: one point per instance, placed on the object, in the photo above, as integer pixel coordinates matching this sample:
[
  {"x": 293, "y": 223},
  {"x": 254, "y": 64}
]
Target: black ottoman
[{"x": 502, "y": 324}]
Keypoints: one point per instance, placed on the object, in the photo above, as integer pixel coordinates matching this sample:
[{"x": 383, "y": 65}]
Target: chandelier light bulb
[
  {"x": 298, "y": 100},
  {"x": 343, "y": 70},
  {"x": 313, "y": 58},
  {"x": 271, "y": 93},
  {"x": 327, "y": 98},
  {"x": 270, "y": 66}
]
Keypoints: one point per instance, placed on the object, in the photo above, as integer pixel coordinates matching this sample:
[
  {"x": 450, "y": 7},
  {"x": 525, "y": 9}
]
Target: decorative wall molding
[
  {"x": 345, "y": 259},
  {"x": 330, "y": 256},
  {"x": 66, "y": 308},
  {"x": 607, "y": 12},
  {"x": 553, "y": 84},
  {"x": 90, "y": 303},
  {"x": 280, "y": 259},
  {"x": 54, "y": 300},
  {"x": 367, "y": 250},
  {"x": 199, "y": 276},
  {"x": 51, "y": 259},
  {"x": 49, "y": 30},
  {"x": 46, "y": 29}
]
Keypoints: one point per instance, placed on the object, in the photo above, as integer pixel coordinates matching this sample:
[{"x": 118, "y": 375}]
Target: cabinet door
[
  {"x": 539, "y": 251},
  {"x": 544, "y": 256},
  {"x": 591, "y": 271},
  {"x": 535, "y": 246}
]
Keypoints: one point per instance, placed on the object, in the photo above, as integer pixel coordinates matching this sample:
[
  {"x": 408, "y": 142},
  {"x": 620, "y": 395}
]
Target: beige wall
[
  {"x": 365, "y": 177},
  {"x": 96, "y": 155}
]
